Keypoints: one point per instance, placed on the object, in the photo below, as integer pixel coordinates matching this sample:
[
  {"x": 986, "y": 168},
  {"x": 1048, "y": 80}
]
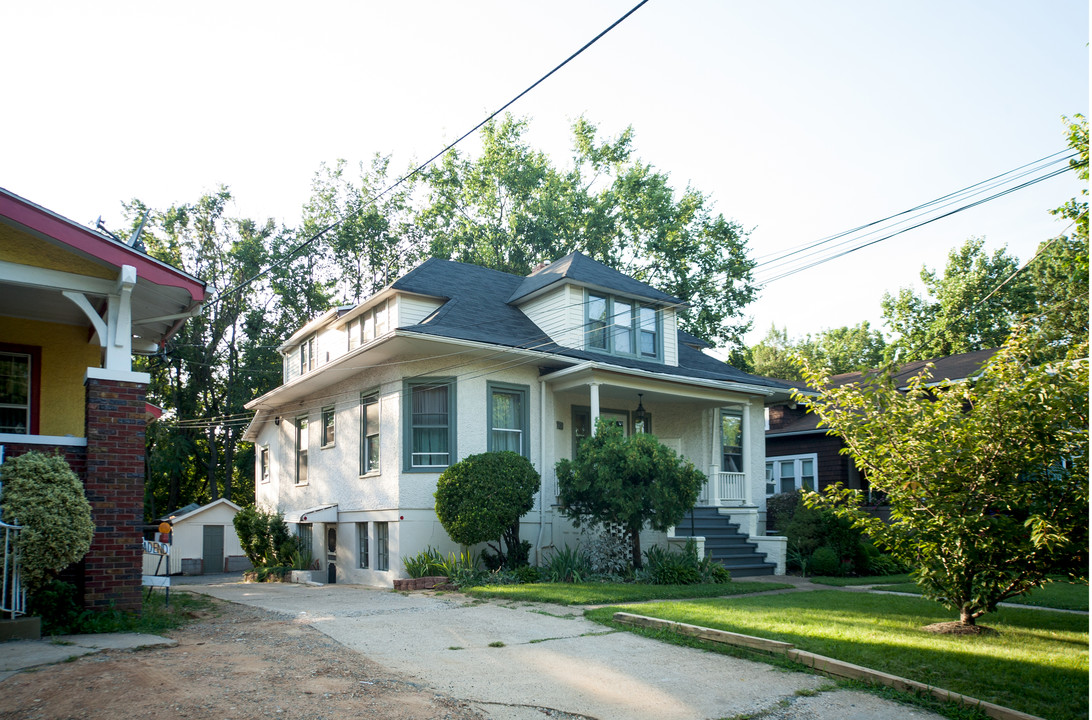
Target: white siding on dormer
[
  {"x": 412, "y": 309},
  {"x": 559, "y": 314},
  {"x": 671, "y": 337}
]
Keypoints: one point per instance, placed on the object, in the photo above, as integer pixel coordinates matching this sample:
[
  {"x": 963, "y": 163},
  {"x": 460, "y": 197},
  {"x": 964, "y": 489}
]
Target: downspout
[{"x": 542, "y": 463}]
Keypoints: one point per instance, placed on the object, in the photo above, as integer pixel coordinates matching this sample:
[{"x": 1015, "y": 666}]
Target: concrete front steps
[{"x": 725, "y": 543}]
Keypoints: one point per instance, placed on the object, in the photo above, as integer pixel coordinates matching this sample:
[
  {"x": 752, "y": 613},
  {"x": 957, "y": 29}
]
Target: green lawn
[
  {"x": 868, "y": 580},
  {"x": 1037, "y": 663},
  {"x": 600, "y": 593},
  {"x": 1061, "y": 595}
]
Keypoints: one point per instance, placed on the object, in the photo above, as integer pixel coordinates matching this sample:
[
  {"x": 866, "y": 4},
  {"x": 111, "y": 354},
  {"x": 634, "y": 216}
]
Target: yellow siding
[
  {"x": 66, "y": 355},
  {"x": 24, "y": 249}
]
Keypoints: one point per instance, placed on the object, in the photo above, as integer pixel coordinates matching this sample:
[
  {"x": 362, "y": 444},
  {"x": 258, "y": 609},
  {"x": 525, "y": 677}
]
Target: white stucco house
[{"x": 452, "y": 360}]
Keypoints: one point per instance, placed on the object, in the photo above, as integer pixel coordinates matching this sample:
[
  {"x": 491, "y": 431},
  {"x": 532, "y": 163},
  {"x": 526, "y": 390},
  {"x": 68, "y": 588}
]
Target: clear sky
[{"x": 800, "y": 119}]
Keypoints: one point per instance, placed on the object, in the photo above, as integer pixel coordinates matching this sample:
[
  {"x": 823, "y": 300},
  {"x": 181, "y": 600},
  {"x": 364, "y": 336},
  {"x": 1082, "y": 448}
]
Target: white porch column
[
  {"x": 748, "y": 478},
  {"x": 594, "y": 388},
  {"x": 119, "y": 344}
]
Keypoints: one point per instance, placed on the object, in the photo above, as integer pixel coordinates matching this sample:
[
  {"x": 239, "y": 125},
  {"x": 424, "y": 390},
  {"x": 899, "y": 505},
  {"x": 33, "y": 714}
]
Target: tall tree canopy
[
  {"x": 510, "y": 208},
  {"x": 223, "y": 357},
  {"x": 968, "y": 307},
  {"x": 840, "y": 350}
]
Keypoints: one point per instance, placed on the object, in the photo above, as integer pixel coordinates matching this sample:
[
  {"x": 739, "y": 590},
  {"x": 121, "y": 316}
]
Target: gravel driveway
[{"x": 527, "y": 661}]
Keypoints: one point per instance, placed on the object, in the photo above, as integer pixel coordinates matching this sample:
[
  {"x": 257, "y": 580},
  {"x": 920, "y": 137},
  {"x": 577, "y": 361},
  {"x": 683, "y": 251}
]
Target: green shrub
[
  {"x": 668, "y": 567},
  {"x": 57, "y": 604},
  {"x": 719, "y": 574},
  {"x": 780, "y": 508},
  {"x": 265, "y": 538},
  {"x": 811, "y": 529},
  {"x": 44, "y": 496},
  {"x": 825, "y": 561},
  {"x": 429, "y": 562},
  {"x": 885, "y": 565},
  {"x": 528, "y": 574},
  {"x": 481, "y": 499},
  {"x": 569, "y": 565}
]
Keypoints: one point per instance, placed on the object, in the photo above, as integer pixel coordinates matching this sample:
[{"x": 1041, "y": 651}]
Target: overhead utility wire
[
  {"x": 294, "y": 251},
  {"x": 925, "y": 208},
  {"x": 968, "y": 206},
  {"x": 807, "y": 246}
]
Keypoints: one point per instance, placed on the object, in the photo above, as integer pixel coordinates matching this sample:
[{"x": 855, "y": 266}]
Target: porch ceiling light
[{"x": 640, "y": 414}]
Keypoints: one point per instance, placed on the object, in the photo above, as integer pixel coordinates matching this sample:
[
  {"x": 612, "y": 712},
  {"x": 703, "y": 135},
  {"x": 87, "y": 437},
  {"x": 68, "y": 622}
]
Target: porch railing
[
  {"x": 13, "y": 599},
  {"x": 724, "y": 489}
]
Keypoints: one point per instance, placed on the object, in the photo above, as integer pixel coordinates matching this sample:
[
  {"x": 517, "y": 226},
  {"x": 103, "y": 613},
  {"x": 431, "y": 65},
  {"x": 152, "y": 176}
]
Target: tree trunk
[
  {"x": 635, "y": 547},
  {"x": 966, "y": 617}
]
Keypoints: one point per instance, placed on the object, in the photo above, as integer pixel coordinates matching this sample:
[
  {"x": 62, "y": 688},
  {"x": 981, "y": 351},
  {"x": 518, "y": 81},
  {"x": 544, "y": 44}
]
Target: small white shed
[{"x": 205, "y": 533}]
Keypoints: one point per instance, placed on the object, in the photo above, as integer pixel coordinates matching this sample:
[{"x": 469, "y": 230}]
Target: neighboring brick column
[{"x": 114, "y": 484}]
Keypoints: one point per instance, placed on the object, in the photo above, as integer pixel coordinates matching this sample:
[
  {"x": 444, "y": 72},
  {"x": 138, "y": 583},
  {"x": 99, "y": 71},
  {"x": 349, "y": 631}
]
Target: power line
[{"x": 417, "y": 170}]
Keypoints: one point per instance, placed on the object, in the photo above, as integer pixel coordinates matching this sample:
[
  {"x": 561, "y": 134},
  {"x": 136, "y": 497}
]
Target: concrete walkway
[
  {"x": 19, "y": 655},
  {"x": 523, "y": 661}
]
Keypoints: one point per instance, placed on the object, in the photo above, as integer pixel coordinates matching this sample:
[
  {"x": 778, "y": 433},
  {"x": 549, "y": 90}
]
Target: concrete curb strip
[{"x": 821, "y": 663}]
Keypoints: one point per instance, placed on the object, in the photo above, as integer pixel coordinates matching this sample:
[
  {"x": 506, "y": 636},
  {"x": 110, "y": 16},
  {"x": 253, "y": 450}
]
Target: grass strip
[
  {"x": 1058, "y": 595},
  {"x": 867, "y": 580},
  {"x": 600, "y": 593},
  {"x": 1037, "y": 663}
]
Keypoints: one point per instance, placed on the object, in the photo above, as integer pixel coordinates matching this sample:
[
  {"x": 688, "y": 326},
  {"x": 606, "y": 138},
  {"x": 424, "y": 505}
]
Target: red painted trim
[
  {"x": 35, "y": 353},
  {"x": 154, "y": 412},
  {"x": 84, "y": 240}
]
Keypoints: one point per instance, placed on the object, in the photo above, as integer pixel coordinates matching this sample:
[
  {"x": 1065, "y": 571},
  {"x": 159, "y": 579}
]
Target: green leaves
[
  {"x": 987, "y": 480},
  {"x": 481, "y": 497},
  {"x": 628, "y": 481}
]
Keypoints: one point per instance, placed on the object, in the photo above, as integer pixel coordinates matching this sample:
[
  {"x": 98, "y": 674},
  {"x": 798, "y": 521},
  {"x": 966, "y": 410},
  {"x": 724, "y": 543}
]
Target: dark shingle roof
[
  {"x": 477, "y": 309},
  {"x": 579, "y": 268},
  {"x": 953, "y": 368}
]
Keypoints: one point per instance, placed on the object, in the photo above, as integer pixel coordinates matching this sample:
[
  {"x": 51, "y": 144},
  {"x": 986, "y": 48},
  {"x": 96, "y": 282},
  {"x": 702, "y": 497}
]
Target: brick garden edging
[
  {"x": 830, "y": 666},
  {"x": 431, "y": 582}
]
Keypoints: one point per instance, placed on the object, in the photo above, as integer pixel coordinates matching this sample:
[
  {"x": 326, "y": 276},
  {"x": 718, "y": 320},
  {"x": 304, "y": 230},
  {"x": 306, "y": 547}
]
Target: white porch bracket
[
  {"x": 115, "y": 333},
  {"x": 84, "y": 304}
]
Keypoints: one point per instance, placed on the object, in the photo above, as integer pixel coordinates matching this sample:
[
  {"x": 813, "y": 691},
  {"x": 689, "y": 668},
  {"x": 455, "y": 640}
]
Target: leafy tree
[
  {"x": 627, "y": 481},
  {"x": 841, "y": 350},
  {"x": 962, "y": 310},
  {"x": 511, "y": 208},
  {"x": 376, "y": 239},
  {"x": 987, "y": 481},
  {"x": 1059, "y": 271},
  {"x": 222, "y": 357},
  {"x": 482, "y": 497},
  {"x": 774, "y": 356},
  {"x": 43, "y": 495}
]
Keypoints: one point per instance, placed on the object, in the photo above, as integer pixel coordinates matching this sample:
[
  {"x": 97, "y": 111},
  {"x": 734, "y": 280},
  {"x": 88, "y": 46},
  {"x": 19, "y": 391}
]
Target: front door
[
  {"x": 331, "y": 553},
  {"x": 582, "y": 423}
]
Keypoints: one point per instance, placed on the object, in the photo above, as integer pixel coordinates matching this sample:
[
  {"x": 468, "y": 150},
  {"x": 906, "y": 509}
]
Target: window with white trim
[
  {"x": 328, "y": 426},
  {"x": 307, "y": 355},
  {"x": 301, "y": 450},
  {"x": 369, "y": 433},
  {"x": 371, "y": 324},
  {"x": 15, "y": 393},
  {"x": 621, "y": 326},
  {"x": 790, "y": 472},
  {"x": 263, "y": 464}
]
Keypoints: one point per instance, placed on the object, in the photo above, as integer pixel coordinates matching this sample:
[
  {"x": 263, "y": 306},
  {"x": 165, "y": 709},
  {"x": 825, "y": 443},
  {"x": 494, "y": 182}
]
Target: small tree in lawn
[
  {"x": 628, "y": 481},
  {"x": 45, "y": 497},
  {"x": 265, "y": 538},
  {"x": 987, "y": 479},
  {"x": 481, "y": 499}
]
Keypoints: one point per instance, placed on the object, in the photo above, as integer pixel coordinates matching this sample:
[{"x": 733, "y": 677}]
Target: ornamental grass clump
[{"x": 45, "y": 497}]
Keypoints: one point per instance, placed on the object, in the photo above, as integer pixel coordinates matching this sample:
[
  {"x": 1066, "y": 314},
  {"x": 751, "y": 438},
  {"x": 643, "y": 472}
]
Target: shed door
[{"x": 212, "y": 548}]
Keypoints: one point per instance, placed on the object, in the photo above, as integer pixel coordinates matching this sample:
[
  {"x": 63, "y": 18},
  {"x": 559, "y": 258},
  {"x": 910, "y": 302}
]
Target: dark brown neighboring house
[{"x": 800, "y": 454}]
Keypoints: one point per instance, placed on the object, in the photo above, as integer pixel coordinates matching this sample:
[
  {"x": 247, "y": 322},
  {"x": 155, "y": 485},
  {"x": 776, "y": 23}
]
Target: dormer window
[
  {"x": 307, "y": 355},
  {"x": 621, "y": 326},
  {"x": 370, "y": 325}
]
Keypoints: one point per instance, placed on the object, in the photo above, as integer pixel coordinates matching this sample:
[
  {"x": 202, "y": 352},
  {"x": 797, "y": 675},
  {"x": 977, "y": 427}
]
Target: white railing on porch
[
  {"x": 13, "y": 599},
  {"x": 724, "y": 489}
]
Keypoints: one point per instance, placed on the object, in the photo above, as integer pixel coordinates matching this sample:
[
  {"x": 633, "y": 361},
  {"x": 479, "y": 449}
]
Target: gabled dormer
[
  {"x": 583, "y": 304},
  {"x": 349, "y": 327}
]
